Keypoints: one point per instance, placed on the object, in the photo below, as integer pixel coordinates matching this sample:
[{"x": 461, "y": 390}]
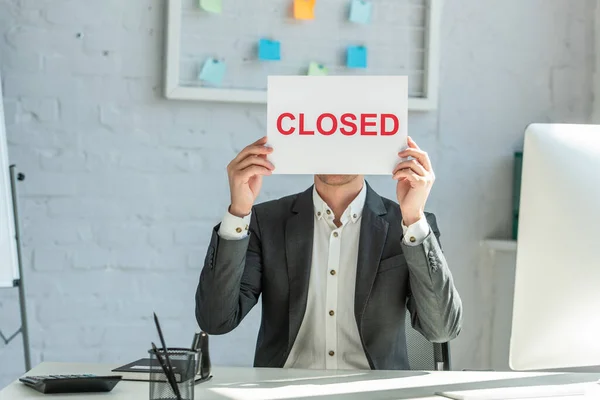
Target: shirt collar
[{"x": 352, "y": 213}]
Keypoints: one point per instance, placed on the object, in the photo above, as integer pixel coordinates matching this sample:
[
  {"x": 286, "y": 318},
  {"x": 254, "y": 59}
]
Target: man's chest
[
  {"x": 342, "y": 261},
  {"x": 334, "y": 260}
]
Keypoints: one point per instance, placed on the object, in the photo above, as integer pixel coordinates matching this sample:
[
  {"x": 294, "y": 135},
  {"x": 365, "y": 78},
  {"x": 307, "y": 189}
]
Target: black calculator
[{"x": 81, "y": 383}]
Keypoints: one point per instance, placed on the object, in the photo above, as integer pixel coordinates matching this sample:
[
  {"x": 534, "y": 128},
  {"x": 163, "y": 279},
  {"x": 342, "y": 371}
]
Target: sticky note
[
  {"x": 360, "y": 11},
  {"x": 304, "y": 9},
  {"x": 356, "y": 57},
  {"x": 269, "y": 50},
  {"x": 316, "y": 69},
  {"x": 212, "y": 6},
  {"x": 213, "y": 71}
]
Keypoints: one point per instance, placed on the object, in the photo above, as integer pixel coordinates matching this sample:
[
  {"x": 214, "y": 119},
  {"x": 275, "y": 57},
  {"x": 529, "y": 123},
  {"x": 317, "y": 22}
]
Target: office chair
[{"x": 424, "y": 355}]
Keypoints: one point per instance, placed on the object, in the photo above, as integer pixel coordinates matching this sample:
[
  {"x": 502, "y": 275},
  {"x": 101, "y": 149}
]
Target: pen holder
[{"x": 184, "y": 363}]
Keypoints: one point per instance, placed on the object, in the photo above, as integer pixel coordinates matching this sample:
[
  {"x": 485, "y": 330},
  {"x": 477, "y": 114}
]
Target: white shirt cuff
[
  {"x": 415, "y": 234},
  {"x": 234, "y": 228}
]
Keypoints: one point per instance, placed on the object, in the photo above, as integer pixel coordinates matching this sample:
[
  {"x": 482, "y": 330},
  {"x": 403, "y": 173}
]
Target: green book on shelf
[{"x": 518, "y": 168}]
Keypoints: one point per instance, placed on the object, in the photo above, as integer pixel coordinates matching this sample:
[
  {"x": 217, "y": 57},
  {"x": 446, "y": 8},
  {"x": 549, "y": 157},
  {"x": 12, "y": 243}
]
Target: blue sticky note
[
  {"x": 360, "y": 11},
  {"x": 356, "y": 57},
  {"x": 212, "y": 72},
  {"x": 269, "y": 50}
]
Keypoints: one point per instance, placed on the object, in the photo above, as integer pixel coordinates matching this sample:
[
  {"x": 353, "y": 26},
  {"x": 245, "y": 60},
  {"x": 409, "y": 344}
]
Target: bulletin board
[{"x": 402, "y": 38}]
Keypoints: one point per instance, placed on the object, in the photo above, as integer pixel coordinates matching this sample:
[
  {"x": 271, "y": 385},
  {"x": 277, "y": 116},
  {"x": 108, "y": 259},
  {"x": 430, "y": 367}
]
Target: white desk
[{"x": 231, "y": 383}]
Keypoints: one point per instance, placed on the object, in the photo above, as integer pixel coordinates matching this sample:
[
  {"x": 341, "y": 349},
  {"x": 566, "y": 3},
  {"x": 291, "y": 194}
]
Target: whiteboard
[
  {"x": 402, "y": 39},
  {"x": 9, "y": 268}
]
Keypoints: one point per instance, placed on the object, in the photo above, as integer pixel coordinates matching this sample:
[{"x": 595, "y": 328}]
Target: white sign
[{"x": 336, "y": 124}]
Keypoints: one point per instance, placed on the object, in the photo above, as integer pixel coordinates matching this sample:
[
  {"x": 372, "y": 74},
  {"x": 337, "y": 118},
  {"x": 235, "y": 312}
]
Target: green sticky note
[
  {"x": 212, "y": 6},
  {"x": 316, "y": 69}
]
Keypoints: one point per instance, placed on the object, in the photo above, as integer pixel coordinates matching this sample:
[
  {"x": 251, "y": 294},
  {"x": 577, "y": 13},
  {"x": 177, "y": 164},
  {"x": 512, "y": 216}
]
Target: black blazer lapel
[
  {"x": 373, "y": 234},
  {"x": 299, "y": 232}
]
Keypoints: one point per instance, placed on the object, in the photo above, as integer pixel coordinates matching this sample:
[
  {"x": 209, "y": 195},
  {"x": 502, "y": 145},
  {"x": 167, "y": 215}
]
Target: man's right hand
[{"x": 245, "y": 176}]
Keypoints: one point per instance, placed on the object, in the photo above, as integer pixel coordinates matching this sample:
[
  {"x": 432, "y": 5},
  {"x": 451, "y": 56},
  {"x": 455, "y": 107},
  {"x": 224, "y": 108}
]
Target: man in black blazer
[{"x": 337, "y": 266}]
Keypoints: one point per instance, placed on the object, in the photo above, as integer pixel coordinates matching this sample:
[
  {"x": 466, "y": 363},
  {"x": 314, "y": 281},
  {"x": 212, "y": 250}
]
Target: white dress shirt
[{"x": 328, "y": 337}]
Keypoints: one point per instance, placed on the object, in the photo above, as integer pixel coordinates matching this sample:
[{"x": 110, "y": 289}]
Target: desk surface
[{"x": 231, "y": 383}]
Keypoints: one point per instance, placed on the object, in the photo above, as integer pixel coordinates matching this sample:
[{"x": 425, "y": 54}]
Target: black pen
[
  {"x": 170, "y": 377},
  {"x": 168, "y": 360}
]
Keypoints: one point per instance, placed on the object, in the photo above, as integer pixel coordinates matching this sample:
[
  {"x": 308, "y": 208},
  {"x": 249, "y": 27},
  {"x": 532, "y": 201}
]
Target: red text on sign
[{"x": 347, "y": 124}]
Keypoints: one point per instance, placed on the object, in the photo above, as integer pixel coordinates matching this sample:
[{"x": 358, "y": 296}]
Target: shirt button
[
  {"x": 328, "y": 212},
  {"x": 412, "y": 239},
  {"x": 319, "y": 214},
  {"x": 332, "y": 313},
  {"x": 355, "y": 216},
  {"x": 335, "y": 234},
  {"x": 332, "y": 272},
  {"x": 238, "y": 229},
  {"x": 246, "y": 227},
  {"x": 331, "y": 353}
]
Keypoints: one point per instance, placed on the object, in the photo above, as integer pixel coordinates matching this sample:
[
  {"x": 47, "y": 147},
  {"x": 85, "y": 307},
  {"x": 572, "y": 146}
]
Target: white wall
[
  {"x": 596, "y": 105},
  {"x": 123, "y": 186}
]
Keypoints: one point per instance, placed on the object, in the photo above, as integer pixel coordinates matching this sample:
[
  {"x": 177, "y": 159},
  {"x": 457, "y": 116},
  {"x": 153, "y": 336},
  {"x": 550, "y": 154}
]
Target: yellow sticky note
[
  {"x": 212, "y": 6},
  {"x": 304, "y": 9}
]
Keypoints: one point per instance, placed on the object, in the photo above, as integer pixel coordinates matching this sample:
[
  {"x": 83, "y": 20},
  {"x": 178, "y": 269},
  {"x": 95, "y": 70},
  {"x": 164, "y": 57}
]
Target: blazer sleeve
[
  {"x": 230, "y": 281},
  {"x": 433, "y": 301}
]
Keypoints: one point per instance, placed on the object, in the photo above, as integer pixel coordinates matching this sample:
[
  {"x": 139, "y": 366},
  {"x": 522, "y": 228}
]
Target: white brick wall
[{"x": 123, "y": 186}]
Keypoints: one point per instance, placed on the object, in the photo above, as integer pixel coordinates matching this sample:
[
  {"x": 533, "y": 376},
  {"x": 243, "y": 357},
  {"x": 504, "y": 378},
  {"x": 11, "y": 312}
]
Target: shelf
[{"x": 500, "y": 245}]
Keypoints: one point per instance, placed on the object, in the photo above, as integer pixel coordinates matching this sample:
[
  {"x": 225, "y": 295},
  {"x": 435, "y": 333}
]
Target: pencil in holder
[{"x": 184, "y": 363}]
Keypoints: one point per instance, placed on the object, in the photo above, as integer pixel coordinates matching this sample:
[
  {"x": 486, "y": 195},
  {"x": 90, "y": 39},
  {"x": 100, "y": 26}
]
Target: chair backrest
[{"x": 424, "y": 355}]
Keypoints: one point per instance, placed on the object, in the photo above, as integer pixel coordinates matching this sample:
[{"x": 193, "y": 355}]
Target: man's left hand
[{"x": 415, "y": 178}]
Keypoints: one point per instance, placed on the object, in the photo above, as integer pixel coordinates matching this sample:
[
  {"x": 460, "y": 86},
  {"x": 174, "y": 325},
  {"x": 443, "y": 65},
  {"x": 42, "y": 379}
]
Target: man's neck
[{"x": 339, "y": 197}]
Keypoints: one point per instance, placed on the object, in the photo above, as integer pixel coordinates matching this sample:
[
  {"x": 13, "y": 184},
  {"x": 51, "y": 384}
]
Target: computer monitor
[{"x": 556, "y": 308}]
